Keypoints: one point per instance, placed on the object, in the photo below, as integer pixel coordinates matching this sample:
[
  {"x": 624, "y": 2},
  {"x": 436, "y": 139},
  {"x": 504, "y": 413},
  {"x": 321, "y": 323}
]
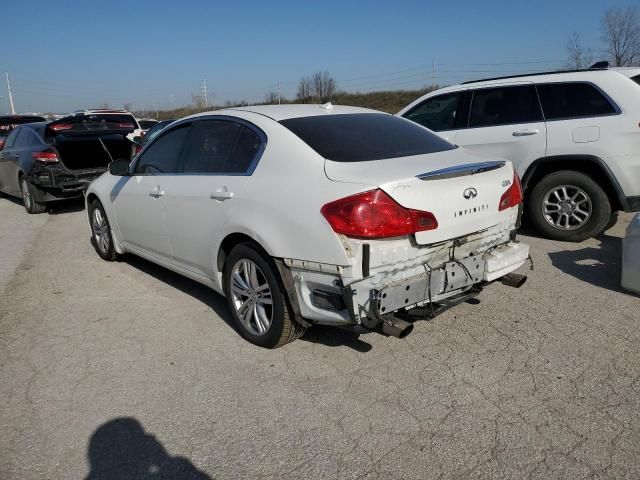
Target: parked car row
[{"x": 343, "y": 216}]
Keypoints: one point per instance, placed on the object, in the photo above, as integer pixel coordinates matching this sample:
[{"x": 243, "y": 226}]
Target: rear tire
[
  {"x": 568, "y": 206},
  {"x": 256, "y": 298},
  {"x": 31, "y": 205},
  {"x": 101, "y": 236}
]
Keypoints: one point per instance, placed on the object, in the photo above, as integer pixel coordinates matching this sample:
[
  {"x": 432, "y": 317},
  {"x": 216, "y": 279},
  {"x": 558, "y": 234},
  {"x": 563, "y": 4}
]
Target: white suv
[{"x": 573, "y": 137}]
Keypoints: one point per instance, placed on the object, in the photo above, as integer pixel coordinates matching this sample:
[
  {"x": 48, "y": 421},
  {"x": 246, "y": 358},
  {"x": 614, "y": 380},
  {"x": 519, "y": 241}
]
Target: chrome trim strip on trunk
[{"x": 461, "y": 170}]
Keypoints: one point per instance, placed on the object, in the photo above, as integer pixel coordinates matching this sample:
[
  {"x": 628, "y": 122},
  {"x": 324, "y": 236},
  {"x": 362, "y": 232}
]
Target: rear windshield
[
  {"x": 360, "y": 137},
  {"x": 7, "y": 124}
]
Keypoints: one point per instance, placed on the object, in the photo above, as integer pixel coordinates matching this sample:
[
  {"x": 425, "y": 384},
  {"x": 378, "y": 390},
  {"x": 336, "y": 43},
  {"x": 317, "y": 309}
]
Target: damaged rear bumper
[
  {"x": 54, "y": 182},
  {"x": 325, "y": 294}
]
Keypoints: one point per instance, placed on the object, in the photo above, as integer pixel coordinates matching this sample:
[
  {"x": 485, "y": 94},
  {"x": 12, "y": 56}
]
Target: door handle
[
  {"x": 221, "y": 194},
  {"x": 525, "y": 133},
  {"x": 156, "y": 192}
]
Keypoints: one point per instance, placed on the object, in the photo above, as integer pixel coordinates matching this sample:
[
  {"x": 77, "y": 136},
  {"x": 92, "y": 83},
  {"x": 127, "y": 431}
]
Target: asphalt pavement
[{"x": 126, "y": 370}]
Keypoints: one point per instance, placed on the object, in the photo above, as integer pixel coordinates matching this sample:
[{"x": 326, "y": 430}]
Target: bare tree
[
  {"x": 304, "y": 89},
  {"x": 323, "y": 86},
  {"x": 578, "y": 56},
  {"x": 621, "y": 33},
  {"x": 272, "y": 98}
]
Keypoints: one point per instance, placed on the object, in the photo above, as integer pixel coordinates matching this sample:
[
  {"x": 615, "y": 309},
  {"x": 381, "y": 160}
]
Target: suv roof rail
[{"x": 595, "y": 67}]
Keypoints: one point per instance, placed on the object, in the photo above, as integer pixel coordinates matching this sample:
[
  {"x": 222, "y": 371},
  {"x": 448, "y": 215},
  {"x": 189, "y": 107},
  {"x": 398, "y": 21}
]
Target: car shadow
[
  {"x": 600, "y": 266},
  {"x": 336, "y": 337},
  {"x": 329, "y": 336},
  {"x": 200, "y": 292},
  {"x": 70, "y": 205},
  {"x": 121, "y": 449}
]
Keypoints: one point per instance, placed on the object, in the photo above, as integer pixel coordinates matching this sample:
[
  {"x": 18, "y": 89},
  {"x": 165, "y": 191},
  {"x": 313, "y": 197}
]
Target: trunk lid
[
  {"x": 460, "y": 188},
  {"x": 92, "y": 124}
]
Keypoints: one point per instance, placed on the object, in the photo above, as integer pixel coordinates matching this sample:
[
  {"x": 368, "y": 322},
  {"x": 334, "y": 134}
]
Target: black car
[
  {"x": 9, "y": 122},
  {"x": 42, "y": 162}
]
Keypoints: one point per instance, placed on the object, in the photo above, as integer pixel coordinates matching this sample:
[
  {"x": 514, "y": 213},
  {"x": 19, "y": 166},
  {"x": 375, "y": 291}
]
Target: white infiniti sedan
[{"x": 314, "y": 214}]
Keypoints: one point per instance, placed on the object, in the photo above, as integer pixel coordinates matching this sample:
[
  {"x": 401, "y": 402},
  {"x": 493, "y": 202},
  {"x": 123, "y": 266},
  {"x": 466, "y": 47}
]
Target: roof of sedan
[{"x": 283, "y": 112}]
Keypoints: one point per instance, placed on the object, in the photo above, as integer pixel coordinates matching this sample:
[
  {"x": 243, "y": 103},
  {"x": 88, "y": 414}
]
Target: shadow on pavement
[
  {"x": 329, "y": 336},
  {"x": 599, "y": 266},
  {"x": 121, "y": 449},
  {"x": 198, "y": 291},
  {"x": 65, "y": 206},
  {"x": 335, "y": 337}
]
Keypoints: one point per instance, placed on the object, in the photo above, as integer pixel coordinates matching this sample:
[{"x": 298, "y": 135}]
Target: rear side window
[
  {"x": 439, "y": 113},
  {"x": 221, "y": 147},
  {"x": 11, "y": 139},
  {"x": 573, "y": 100},
  {"x": 163, "y": 154},
  {"x": 504, "y": 106},
  {"x": 361, "y": 137},
  {"x": 25, "y": 139},
  {"x": 636, "y": 79}
]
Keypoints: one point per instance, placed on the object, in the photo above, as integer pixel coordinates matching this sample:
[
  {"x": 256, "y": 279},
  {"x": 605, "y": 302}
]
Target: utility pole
[
  {"x": 433, "y": 76},
  {"x": 203, "y": 86},
  {"x": 11, "y": 105},
  {"x": 172, "y": 101},
  {"x": 278, "y": 87}
]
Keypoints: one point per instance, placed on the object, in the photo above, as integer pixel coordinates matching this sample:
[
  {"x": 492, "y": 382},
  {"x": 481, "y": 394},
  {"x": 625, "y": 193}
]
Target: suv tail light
[
  {"x": 513, "y": 195},
  {"x": 48, "y": 156},
  {"x": 374, "y": 214}
]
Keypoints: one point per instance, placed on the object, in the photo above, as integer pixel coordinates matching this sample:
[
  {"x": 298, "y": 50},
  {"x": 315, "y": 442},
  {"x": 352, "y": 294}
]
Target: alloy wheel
[
  {"x": 251, "y": 295},
  {"x": 100, "y": 231},
  {"x": 567, "y": 207},
  {"x": 26, "y": 193}
]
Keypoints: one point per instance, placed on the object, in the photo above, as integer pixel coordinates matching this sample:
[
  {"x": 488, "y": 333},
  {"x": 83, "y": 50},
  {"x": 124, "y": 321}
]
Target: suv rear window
[
  {"x": 573, "y": 100},
  {"x": 361, "y": 137}
]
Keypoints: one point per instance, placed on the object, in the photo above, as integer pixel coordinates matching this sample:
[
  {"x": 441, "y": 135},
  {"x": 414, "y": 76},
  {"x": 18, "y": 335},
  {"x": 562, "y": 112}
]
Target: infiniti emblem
[{"x": 470, "y": 193}]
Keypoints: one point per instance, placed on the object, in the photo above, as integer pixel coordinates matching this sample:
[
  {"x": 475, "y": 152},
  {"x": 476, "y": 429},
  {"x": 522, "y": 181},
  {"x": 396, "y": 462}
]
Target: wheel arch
[{"x": 590, "y": 165}]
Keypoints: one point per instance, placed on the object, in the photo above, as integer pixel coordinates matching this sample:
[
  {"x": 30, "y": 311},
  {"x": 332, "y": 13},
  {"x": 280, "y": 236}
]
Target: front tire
[
  {"x": 101, "y": 236},
  {"x": 255, "y": 296},
  {"x": 31, "y": 205},
  {"x": 568, "y": 206}
]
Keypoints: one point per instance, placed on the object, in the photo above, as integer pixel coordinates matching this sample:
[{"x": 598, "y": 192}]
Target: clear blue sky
[{"x": 63, "y": 55}]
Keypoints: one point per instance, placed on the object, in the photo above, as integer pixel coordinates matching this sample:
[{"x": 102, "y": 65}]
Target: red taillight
[
  {"x": 513, "y": 196},
  {"x": 61, "y": 127},
  {"x": 1, "y": 144},
  {"x": 125, "y": 125},
  {"x": 45, "y": 157},
  {"x": 137, "y": 149},
  {"x": 374, "y": 214}
]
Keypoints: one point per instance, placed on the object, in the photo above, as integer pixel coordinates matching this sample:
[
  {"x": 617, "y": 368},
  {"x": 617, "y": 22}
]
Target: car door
[
  {"x": 140, "y": 201},
  {"x": 506, "y": 122},
  {"x": 217, "y": 164},
  {"x": 444, "y": 113},
  {"x": 8, "y": 165}
]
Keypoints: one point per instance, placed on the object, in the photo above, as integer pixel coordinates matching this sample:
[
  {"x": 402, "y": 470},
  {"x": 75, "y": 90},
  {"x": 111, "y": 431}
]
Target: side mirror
[
  {"x": 119, "y": 168},
  {"x": 138, "y": 140}
]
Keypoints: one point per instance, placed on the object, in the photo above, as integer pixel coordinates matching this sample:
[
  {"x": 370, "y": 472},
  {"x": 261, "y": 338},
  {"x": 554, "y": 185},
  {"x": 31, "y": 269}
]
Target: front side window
[
  {"x": 504, "y": 106},
  {"x": 221, "y": 147},
  {"x": 438, "y": 113},
  {"x": 361, "y": 137},
  {"x": 163, "y": 154},
  {"x": 573, "y": 100}
]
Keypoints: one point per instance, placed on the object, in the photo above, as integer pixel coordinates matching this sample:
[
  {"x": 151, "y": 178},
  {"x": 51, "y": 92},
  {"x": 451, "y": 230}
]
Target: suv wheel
[
  {"x": 255, "y": 297},
  {"x": 31, "y": 205},
  {"x": 568, "y": 206}
]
